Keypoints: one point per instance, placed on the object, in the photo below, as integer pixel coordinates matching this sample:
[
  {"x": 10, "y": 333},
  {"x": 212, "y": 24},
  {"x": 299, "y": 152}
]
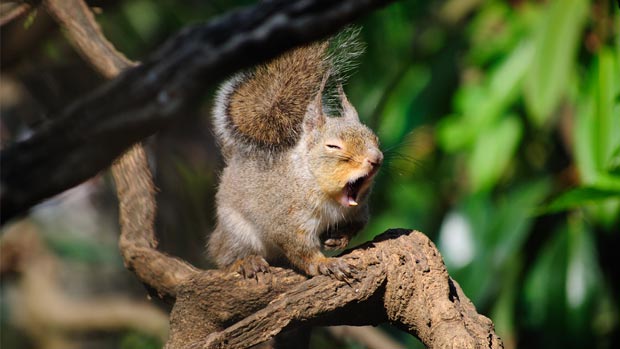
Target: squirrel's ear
[
  {"x": 315, "y": 117},
  {"x": 348, "y": 111}
]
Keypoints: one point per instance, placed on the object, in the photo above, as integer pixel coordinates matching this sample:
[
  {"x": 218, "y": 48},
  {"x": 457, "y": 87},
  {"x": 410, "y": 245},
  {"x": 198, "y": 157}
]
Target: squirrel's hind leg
[
  {"x": 236, "y": 246},
  {"x": 336, "y": 267},
  {"x": 309, "y": 259},
  {"x": 250, "y": 266}
]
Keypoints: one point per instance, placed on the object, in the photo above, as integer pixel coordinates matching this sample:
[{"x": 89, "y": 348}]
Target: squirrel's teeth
[{"x": 351, "y": 191}]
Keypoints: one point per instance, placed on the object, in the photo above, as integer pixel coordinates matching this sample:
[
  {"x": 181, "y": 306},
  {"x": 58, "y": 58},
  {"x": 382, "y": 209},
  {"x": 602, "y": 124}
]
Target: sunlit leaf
[
  {"x": 584, "y": 138},
  {"x": 557, "y": 38},
  {"x": 482, "y": 105},
  {"x": 500, "y": 89},
  {"x": 453, "y": 134},
  {"x": 578, "y": 197},
  {"x": 613, "y": 167},
  {"x": 492, "y": 152},
  {"x": 607, "y": 130},
  {"x": 505, "y": 82}
]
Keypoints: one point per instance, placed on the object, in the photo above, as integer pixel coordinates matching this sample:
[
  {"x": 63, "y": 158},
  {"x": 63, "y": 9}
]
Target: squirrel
[{"x": 295, "y": 179}]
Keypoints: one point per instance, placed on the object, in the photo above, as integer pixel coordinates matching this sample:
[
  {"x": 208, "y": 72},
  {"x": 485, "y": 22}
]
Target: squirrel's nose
[{"x": 374, "y": 157}]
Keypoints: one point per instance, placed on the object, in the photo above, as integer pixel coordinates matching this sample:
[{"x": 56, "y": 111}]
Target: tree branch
[
  {"x": 404, "y": 282},
  {"x": 137, "y": 243},
  {"x": 80, "y": 26},
  {"x": 11, "y": 11},
  {"x": 88, "y": 135}
]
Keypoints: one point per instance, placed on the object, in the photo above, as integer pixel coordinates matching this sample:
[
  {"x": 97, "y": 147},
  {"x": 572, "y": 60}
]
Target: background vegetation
[{"x": 500, "y": 121}]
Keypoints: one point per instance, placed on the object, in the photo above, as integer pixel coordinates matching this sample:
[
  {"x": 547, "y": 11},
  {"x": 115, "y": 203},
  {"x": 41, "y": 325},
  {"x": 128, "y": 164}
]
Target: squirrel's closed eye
[{"x": 333, "y": 146}]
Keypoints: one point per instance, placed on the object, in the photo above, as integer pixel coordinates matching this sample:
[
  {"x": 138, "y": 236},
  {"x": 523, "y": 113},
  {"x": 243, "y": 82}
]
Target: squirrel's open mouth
[{"x": 354, "y": 187}]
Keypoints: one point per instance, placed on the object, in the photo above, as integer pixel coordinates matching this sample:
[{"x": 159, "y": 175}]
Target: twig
[
  {"x": 84, "y": 32},
  {"x": 12, "y": 11}
]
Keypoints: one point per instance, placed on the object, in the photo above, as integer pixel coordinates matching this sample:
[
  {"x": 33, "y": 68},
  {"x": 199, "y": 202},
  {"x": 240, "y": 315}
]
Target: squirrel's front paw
[
  {"x": 250, "y": 266},
  {"x": 336, "y": 243},
  {"x": 338, "y": 268}
]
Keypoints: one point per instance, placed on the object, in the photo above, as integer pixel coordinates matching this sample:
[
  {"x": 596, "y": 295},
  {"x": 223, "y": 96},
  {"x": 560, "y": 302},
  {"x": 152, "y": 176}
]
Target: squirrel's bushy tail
[{"x": 264, "y": 108}]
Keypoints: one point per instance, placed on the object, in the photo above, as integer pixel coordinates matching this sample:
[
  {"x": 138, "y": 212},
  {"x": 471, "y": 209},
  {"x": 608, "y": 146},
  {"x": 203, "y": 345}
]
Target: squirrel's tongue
[
  {"x": 349, "y": 194},
  {"x": 347, "y": 200}
]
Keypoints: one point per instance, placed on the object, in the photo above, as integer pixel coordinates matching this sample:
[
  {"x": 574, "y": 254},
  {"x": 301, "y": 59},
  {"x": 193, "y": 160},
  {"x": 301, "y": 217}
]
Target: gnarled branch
[{"x": 404, "y": 282}]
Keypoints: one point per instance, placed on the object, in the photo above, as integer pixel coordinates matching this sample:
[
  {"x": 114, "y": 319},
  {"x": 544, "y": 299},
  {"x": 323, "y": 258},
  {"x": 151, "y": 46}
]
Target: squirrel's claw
[
  {"x": 337, "y": 268},
  {"x": 336, "y": 243},
  {"x": 250, "y": 266}
]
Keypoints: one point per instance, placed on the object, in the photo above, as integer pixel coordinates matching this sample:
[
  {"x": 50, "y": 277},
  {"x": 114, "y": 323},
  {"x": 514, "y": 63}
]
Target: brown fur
[{"x": 269, "y": 106}]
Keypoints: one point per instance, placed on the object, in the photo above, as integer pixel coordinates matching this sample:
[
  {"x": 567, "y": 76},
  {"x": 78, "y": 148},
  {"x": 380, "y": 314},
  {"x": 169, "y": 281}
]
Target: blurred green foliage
[
  {"x": 134, "y": 340},
  {"x": 500, "y": 121}
]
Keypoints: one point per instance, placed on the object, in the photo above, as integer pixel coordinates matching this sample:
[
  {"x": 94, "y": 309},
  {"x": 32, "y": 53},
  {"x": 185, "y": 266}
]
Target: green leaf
[
  {"x": 483, "y": 105},
  {"x": 557, "y": 37},
  {"x": 500, "y": 90},
  {"x": 492, "y": 153},
  {"x": 505, "y": 82},
  {"x": 545, "y": 280},
  {"x": 30, "y": 19},
  {"x": 497, "y": 27},
  {"x": 606, "y": 128},
  {"x": 394, "y": 121},
  {"x": 144, "y": 17},
  {"x": 503, "y": 312},
  {"x": 514, "y": 217},
  {"x": 613, "y": 167},
  {"x": 584, "y": 138},
  {"x": 453, "y": 134},
  {"x": 597, "y": 124},
  {"x": 578, "y": 197}
]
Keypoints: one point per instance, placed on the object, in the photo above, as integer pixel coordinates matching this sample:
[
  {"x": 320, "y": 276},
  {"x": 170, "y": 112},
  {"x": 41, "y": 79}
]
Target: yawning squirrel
[{"x": 295, "y": 179}]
